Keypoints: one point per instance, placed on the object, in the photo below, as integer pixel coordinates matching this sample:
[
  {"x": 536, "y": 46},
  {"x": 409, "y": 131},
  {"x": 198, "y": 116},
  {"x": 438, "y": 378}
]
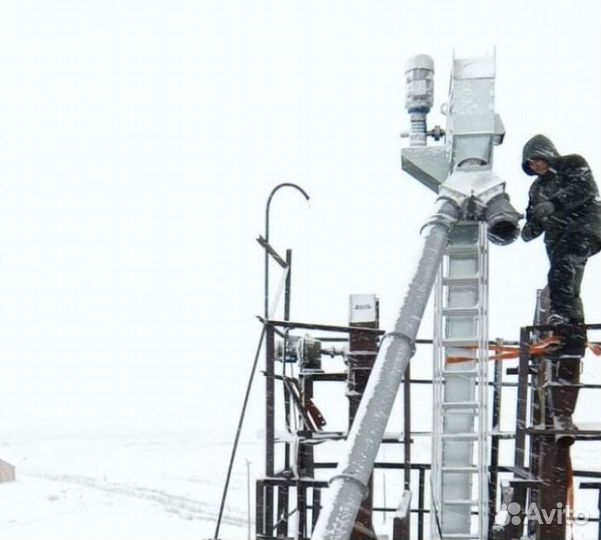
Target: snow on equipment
[
  {"x": 461, "y": 173},
  {"x": 468, "y": 488}
]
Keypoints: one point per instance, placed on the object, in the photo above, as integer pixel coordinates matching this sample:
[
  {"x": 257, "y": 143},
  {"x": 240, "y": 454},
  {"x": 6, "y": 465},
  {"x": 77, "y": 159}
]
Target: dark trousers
[{"x": 568, "y": 260}]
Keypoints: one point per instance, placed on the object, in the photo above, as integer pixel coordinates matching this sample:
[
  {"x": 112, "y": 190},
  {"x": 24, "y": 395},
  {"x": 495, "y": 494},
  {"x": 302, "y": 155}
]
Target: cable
[{"x": 239, "y": 429}]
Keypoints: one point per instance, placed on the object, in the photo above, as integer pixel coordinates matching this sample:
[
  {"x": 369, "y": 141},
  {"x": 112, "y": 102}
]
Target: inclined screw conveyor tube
[{"x": 349, "y": 484}]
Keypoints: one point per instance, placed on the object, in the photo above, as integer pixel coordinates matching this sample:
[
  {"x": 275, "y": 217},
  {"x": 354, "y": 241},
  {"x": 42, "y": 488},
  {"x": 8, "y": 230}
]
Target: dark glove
[
  {"x": 543, "y": 210},
  {"x": 529, "y": 233}
]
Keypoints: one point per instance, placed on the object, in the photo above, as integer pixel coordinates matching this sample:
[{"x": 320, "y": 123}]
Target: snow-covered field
[
  {"x": 135, "y": 487},
  {"x": 145, "y": 487},
  {"x": 156, "y": 485}
]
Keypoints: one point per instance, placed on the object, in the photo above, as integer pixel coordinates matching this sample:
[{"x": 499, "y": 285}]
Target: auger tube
[{"x": 348, "y": 485}]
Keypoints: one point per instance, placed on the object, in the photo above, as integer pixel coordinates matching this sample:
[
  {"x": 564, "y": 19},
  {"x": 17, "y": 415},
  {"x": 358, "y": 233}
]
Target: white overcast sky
[{"x": 140, "y": 139}]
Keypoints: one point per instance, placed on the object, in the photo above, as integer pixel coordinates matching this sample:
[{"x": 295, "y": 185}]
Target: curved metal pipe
[
  {"x": 349, "y": 483},
  {"x": 267, "y": 210},
  {"x": 502, "y": 219}
]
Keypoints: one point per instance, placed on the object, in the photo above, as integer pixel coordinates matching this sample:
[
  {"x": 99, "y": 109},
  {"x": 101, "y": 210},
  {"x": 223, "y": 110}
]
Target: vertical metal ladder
[{"x": 460, "y": 379}]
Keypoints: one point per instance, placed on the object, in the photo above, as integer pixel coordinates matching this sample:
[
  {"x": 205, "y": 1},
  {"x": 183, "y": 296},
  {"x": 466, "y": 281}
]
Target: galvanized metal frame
[{"x": 458, "y": 464}]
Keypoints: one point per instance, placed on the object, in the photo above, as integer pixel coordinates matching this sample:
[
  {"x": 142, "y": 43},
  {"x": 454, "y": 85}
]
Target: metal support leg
[
  {"x": 494, "y": 450},
  {"x": 269, "y": 425},
  {"x": 282, "y": 523}
]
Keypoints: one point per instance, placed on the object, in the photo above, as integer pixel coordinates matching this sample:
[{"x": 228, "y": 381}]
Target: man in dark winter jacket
[{"x": 564, "y": 204}]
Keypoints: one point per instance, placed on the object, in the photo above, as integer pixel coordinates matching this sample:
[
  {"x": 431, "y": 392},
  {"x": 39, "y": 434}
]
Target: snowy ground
[
  {"x": 121, "y": 487},
  {"x": 147, "y": 487},
  {"x": 156, "y": 484}
]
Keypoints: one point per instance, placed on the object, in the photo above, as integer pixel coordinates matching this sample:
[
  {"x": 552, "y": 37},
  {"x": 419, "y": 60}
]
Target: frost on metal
[
  {"x": 349, "y": 483},
  {"x": 460, "y": 171}
]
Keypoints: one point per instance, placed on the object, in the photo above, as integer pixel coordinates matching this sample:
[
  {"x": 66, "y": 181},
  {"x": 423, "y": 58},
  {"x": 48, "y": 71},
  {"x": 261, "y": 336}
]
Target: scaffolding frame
[
  {"x": 534, "y": 439},
  {"x": 282, "y": 493},
  {"x": 274, "y": 490}
]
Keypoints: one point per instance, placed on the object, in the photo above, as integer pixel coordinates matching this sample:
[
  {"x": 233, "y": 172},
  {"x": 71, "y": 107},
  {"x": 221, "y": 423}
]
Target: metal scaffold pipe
[{"x": 349, "y": 484}]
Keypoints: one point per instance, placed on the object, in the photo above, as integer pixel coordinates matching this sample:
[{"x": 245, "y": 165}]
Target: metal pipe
[
  {"x": 267, "y": 210},
  {"x": 421, "y": 494},
  {"x": 349, "y": 484}
]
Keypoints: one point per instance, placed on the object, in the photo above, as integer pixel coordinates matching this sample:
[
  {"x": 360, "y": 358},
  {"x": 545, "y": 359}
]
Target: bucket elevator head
[{"x": 460, "y": 169}]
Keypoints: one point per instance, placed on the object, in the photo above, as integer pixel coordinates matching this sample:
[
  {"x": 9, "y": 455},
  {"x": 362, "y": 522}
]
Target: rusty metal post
[
  {"x": 401, "y": 529},
  {"x": 363, "y": 348}
]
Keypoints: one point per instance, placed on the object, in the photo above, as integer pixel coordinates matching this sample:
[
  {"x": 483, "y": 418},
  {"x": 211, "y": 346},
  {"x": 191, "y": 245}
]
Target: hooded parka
[
  {"x": 570, "y": 186},
  {"x": 572, "y": 223}
]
